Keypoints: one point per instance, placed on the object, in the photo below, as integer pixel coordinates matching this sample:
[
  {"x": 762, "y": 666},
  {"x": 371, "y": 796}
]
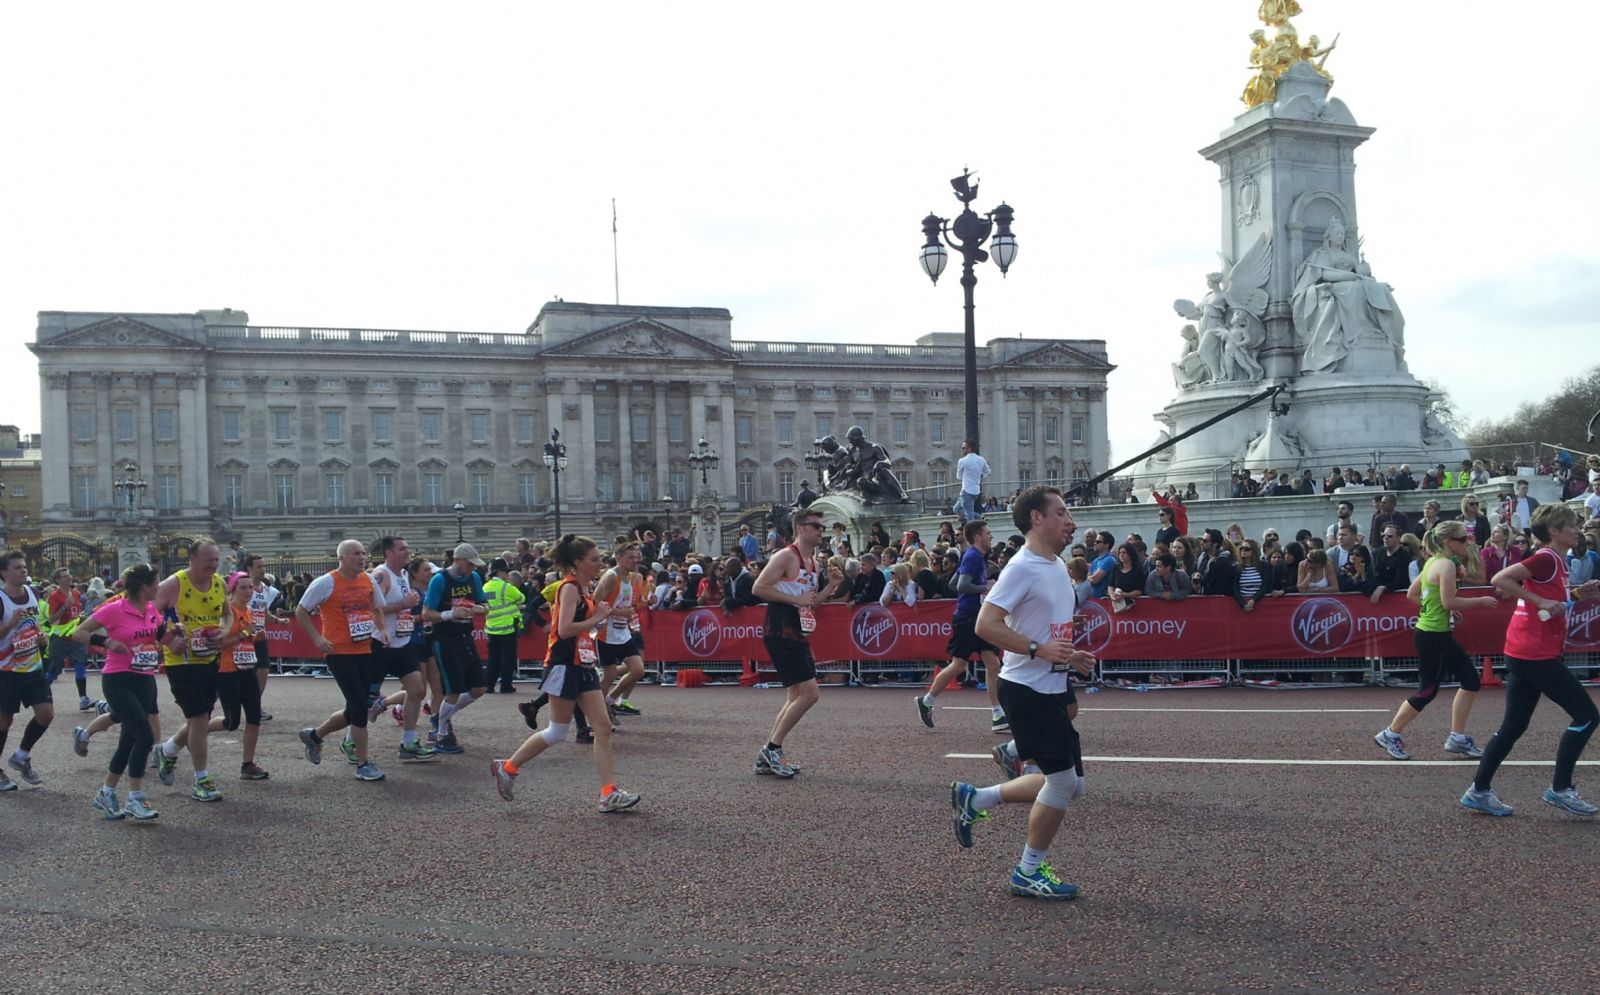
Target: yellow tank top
[{"x": 197, "y": 611}]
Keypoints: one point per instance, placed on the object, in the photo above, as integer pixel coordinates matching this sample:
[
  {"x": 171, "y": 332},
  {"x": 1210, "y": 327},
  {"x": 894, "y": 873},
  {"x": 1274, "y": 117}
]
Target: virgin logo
[
  {"x": 874, "y": 630},
  {"x": 1322, "y": 625},
  {"x": 702, "y": 632},
  {"x": 1583, "y": 626},
  {"x": 1091, "y": 631}
]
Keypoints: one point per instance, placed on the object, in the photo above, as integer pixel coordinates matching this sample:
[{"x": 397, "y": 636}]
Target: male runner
[
  {"x": 1028, "y": 614},
  {"x": 788, "y": 584},
  {"x": 22, "y": 683},
  {"x": 344, "y": 631},
  {"x": 263, "y": 608},
  {"x": 196, "y": 599},
  {"x": 394, "y": 656},
  {"x": 621, "y": 641},
  {"x": 64, "y": 608},
  {"x": 455, "y": 596},
  {"x": 971, "y": 580}
]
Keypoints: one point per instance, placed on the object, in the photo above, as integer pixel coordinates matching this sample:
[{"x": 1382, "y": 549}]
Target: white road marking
[
  {"x": 1265, "y": 762},
  {"x": 1247, "y": 711}
]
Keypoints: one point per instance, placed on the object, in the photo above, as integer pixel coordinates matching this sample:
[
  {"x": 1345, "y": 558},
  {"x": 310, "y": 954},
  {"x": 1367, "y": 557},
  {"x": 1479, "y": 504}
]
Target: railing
[
  {"x": 930, "y": 355},
  {"x": 224, "y": 334}
]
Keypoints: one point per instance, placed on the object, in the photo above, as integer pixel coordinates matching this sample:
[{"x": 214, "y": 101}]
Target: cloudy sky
[{"x": 381, "y": 165}]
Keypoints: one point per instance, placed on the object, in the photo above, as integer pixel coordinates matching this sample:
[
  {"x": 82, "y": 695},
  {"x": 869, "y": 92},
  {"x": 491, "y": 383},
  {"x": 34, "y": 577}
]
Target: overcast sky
[{"x": 405, "y": 165}]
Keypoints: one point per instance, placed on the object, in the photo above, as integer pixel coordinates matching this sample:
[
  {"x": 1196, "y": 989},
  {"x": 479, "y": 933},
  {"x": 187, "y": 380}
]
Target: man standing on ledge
[
  {"x": 1028, "y": 614},
  {"x": 970, "y": 470}
]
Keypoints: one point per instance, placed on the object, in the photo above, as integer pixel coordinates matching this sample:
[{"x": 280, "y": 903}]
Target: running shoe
[
  {"x": 377, "y": 709},
  {"x": 775, "y": 763},
  {"x": 348, "y": 748},
  {"x": 965, "y": 813},
  {"x": 85, "y": 704},
  {"x": 1569, "y": 802},
  {"x": 618, "y": 800},
  {"x": 1486, "y": 802},
  {"x": 414, "y": 752},
  {"x": 1007, "y": 761},
  {"x": 205, "y": 790},
  {"x": 164, "y": 764},
  {"x": 427, "y": 709},
  {"x": 448, "y": 744},
  {"x": 102, "y": 706},
  {"x": 925, "y": 711},
  {"x": 105, "y": 800},
  {"x": 999, "y": 723},
  {"x": 138, "y": 808},
  {"x": 611, "y": 711},
  {"x": 1462, "y": 745},
  {"x": 265, "y": 717},
  {"x": 530, "y": 714},
  {"x": 584, "y": 736},
  {"x": 252, "y": 772},
  {"x": 1391, "y": 744},
  {"x": 626, "y": 707},
  {"x": 504, "y": 780},
  {"x": 25, "y": 768},
  {"x": 80, "y": 741},
  {"x": 399, "y": 713},
  {"x": 1042, "y": 883},
  {"x": 369, "y": 772},
  {"x": 6, "y": 784},
  {"x": 313, "y": 745},
  {"x": 792, "y": 765}
]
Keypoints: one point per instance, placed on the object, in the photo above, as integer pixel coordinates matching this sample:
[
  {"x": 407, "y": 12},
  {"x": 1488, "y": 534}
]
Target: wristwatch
[{"x": 1033, "y": 648}]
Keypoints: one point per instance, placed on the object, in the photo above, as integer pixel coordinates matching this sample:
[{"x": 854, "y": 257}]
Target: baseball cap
[
  {"x": 465, "y": 551},
  {"x": 694, "y": 568}
]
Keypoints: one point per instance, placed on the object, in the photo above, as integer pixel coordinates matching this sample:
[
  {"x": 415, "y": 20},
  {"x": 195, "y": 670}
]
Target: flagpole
[{"x": 616, "y": 280}]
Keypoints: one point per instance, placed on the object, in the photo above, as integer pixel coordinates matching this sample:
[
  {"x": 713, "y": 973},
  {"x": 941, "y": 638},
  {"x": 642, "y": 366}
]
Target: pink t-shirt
[{"x": 136, "y": 631}]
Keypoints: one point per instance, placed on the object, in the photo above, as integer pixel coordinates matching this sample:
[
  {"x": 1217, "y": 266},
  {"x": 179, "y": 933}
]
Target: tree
[
  {"x": 1443, "y": 407},
  {"x": 1560, "y": 420}
]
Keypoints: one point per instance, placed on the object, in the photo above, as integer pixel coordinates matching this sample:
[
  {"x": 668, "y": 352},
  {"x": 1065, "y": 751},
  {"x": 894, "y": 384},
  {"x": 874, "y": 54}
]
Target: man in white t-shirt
[
  {"x": 1591, "y": 501},
  {"x": 970, "y": 470},
  {"x": 1028, "y": 613}
]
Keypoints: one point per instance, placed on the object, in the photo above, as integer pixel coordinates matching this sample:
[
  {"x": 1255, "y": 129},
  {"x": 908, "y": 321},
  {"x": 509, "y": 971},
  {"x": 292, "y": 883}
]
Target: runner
[
  {"x": 788, "y": 584},
  {"x": 530, "y": 709},
  {"x": 621, "y": 640},
  {"x": 1449, "y": 549},
  {"x": 395, "y": 656},
  {"x": 194, "y": 598},
  {"x": 264, "y": 608},
  {"x": 570, "y": 677},
  {"x": 1535, "y": 640},
  {"x": 971, "y": 580},
  {"x": 65, "y": 607},
  {"x": 237, "y": 687},
  {"x": 455, "y": 595},
  {"x": 1028, "y": 614},
  {"x": 349, "y": 605},
  {"x": 132, "y": 631},
  {"x": 502, "y": 622},
  {"x": 22, "y": 681},
  {"x": 418, "y": 573}
]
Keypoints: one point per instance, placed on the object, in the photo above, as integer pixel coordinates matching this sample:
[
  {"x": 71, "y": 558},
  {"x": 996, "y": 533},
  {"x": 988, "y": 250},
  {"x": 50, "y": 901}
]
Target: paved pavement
[{"x": 1197, "y": 877}]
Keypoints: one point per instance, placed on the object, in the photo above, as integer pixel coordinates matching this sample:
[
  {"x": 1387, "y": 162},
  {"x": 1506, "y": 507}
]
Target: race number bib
[
  {"x": 25, "y": 646},
  {"x": 146, "y": 659},
  {"x": 1067, "y": 631},
  {"x": 258, "y": 617},
  {"x": 243, "y": 657},
  {"x": 808, "y": 621},
  {"x": 404, "y": 624},
  {"x": 198, "y": 645},
  {"x": 587, "y": 654},
  {"x": 360, "y": 625},
  {"x": 461, "y": 609}
]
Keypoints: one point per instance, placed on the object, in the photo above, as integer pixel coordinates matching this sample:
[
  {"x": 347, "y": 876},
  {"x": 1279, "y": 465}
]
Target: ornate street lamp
[
  {"x": 971, "y": 231},
  {"x": 555, "y": 457},
  {"x": 666, "y": 499},
  {"x": 130, "y": 489},
  {"x": 705, "y": 459},
  {"x": 461, "y": 517}
]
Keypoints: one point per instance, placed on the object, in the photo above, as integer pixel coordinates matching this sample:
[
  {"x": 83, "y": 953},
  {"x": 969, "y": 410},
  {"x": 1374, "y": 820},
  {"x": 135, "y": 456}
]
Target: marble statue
[
  {"x": 1337, "y": 304},
  {"x": 1235, "y": 296}
]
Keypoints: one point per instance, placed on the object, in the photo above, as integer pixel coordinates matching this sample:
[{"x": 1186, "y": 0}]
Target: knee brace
[
  {"x": 1060, "y": 788},
  {"x": 554, "y": 733}
]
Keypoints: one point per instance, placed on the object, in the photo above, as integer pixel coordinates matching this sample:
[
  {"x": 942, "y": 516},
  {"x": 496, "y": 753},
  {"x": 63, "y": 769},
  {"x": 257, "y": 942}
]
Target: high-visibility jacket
[{"x": 505, "y": 607}]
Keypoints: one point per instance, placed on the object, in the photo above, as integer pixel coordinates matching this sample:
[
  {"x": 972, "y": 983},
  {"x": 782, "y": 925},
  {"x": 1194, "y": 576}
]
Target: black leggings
[
  {"x": 350, "y": 672},
  {"x": 502, "y": 660},
  {"x": 1437, "y": 651},
  {"x": 238, "y": 691},
  {"x": 132, "y": 698},
  {"x": 1526, "y": 680},
  {"x": 577, "y": 713}
]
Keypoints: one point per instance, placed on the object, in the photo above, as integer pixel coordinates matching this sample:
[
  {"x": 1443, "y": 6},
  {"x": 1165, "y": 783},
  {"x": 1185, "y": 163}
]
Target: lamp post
[
  {"x": 705, "y": 459},
  {"x": 666, "y": 499},
  {"x": 555, "y": 457},
  {"x": 130, "y": 489},
  {"x": 970, "y": 230},
  {"x": 461, "y": 517}
]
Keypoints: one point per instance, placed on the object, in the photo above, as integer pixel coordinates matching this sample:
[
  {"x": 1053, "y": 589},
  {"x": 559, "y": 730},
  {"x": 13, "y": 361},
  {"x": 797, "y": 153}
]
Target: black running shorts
[
  {"x": 194, "y": 687},
  {"x": 568, "y": 681},
  {"x": 791, "y": 658},
  {"x": 460, "y": 669},
  {"x": 27, "y": 689},
  {"x": 964, "y": 642},
  {"x": 1041, "y": 728}
]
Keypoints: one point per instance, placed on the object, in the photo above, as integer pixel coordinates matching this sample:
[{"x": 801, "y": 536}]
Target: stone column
[
  {"x": 200, "y": 444},
  {"x": 1038, "y": 433},
  {"x": 56, "y": 482},
  {"x": 587, "y": 453},
  {"x": 622, "y": 424},
  {"x": 729, "y": 465},
  {"x": 105, "y": 440},
  {"x": 191, "y": 420},
  {"x": 1097, "y": 441},
  {"x": 661, "y": 443},
  {"x": 145, "y": 383}
]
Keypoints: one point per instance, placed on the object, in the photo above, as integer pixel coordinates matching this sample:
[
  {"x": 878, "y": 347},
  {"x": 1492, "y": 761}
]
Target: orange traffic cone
[{"x": 1489, "y": 679}]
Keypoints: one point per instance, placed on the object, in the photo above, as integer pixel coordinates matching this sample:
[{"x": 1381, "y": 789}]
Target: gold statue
[{"x": 1271, "y": 58}]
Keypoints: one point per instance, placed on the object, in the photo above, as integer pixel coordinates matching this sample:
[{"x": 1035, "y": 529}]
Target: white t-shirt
[
  {"x": 1036, "y": 593},
  {"x": 1591, "y": 504},
  {"x": 971, "y": 469}
]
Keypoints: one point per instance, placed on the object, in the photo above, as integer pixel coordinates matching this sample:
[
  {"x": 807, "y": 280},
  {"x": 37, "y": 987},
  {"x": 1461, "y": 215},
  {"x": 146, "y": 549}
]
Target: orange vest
[
  {"x": 242, "y": 624},
  {"x": 346, "y": 617}
]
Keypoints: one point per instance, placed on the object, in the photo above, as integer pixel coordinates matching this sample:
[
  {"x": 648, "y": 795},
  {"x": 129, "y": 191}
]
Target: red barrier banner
[
  {"x": 1200, "y": 628},
  {"x": 289, "y": 642}
]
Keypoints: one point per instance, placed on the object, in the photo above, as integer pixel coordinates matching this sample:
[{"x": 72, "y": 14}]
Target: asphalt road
[{"x": 1197, "y": 877}]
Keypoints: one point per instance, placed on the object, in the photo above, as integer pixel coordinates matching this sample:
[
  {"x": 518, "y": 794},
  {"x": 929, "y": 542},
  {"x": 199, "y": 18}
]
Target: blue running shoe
[
  {"x": 965, "y": 813},
  {"x": 1042, "y": 883},
  {"x": 1486, "y": 802},
  {"x": 1569, "y": 802}
]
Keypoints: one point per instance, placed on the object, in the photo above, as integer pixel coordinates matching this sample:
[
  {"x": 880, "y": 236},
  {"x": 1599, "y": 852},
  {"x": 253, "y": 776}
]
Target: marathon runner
[
  {"x": 454, "y": 598},
  {"x": 395, "y": 656},
  {"x": 344, "y": 631},
  {"x": 971, "y": 580},
  {"x": 194, "y": 598},
  {"x": 264, "y": 608},
  {"x": 621, "y": 640},
  {"x": 65, "y": 607},
  {"x": 22, "y": 681},
  {"x": 237, "y": 687}
]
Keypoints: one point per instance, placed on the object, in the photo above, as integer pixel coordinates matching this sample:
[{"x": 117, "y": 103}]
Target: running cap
[{"x": 465, "y": 551}]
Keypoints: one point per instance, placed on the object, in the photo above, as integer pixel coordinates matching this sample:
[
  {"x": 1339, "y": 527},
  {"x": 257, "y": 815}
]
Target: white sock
[
  {"x": 927, "y": 698},
  {"x": 169, "y": 747},
  {"x": 1031, "y": 859},
  {"x": 409, "y": 737},
  {"x": 997, "y": 712},
  {"x": 464, "y": 701},
  {"x": 201, "y": 775},
  {"x": 22, "y": 755},
  {"x": 987, "y": 797}
]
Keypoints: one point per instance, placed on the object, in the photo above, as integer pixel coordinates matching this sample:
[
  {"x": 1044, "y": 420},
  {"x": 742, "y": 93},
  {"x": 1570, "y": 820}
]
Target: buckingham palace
[{"x": 291, "y": 437}]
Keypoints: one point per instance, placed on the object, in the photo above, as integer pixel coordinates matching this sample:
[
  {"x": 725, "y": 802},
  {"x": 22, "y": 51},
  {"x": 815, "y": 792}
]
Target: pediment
[
  {"x": 640, "y": 338},
  {"x": 383, "y": 463},
  {"x": 283, "y": 463},
  {"x": 233, "y": 465},
  {"x": 1058, "y": 354},
  {"x": 481, "y": 464},
  {"x": 432, "y": 463},
  {"x": 120, "y": 332},
  {"x": 334, "y": 463}
]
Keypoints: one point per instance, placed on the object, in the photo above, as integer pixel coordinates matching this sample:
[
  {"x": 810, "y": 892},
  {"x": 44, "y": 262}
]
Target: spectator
[
  {"x": 749, "y": 545},
  {"x": 947, "y": 573},
  {"x": 928, "y": 585},
  {"x": 1104, "y": 563},
  {"x": 1430, "y": 481},
  {"x": 1349, "y": 542},
  {"x": 1480, "y": 474},
  {"x": 1474, "y": 519},
  {"x": 1190, "y": 494},
  {"x": 1391, "y": 567},
  {"x": 869, "y": 582},
  {"x": 1179, "y": 513},
  {"x": 971, "y": 469},
  {"x": 1317, "y": 574},
  {"x": 1168, "y": 531},
  {"x": 1430, "y": 518},
  {"x": 1591, "y": 500},
  {"x": 1220, "y": 576},
  {"x": 1403, "y": 481},
  {"x": 900, "y": 587},
  {"x": 1307, "y": 485},
  {"x": 1582, "y": 562},
  {"x": 1250, "y": 582},
  {"x": 1235, "y": 535},
  {"x": 1285, "y": 568},
  {"x": 1078, "y": 571},
  {"x": 1183, "y": 549},
  {"x": 741, "y": 586},
  {"x": 1346, "y": 510},
  {"x": 1167, "y": 582},
  {"x": 1128, "y": 579},
  {"x": 806, "y": 495},
  {"x": 1387, "y": 515},
  {"x": 947, "y": 535},
  {"x": 1269, "y": 542},
  {"x": 1356, "y": 578},
  {"x": 1522, "y": 508},
  {"x": 1413, "y": 546}
]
